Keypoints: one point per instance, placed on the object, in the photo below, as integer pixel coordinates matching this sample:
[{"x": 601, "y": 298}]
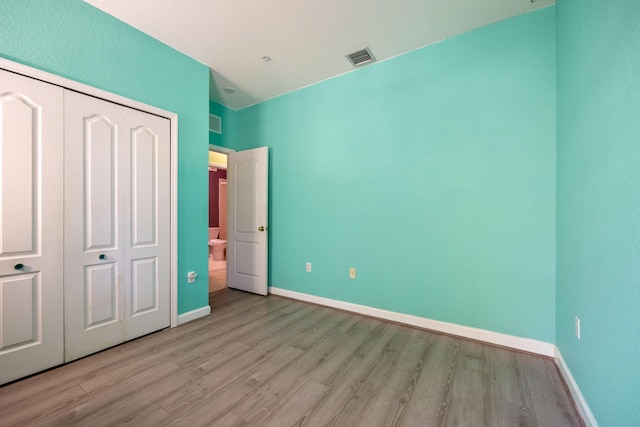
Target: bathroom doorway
[{"x": 217, "y": 221}]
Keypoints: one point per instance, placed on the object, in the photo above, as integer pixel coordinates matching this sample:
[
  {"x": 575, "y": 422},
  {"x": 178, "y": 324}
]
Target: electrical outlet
[
  {"x": 191, "y": 276},
  {"x": 577, "y": 327},
  {"x": 352, "y": 273},
  {"x": 308, "y": 267}
]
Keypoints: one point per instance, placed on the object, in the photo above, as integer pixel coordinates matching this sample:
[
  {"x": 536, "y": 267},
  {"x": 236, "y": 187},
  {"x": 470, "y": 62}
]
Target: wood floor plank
[
  {"x": 345, "y": 402},
  {"x": 272, "y": 361},
  {"x": 387, "y": 405},
  {"x": 220, "y": 337},
  {"x": 471, "y": 388},
  {"x": 87, "y": 406},
  {"x": 28, "y": 410},
  {"x": 214, "y": 404},
  {"x": 348, "y": 357},
  {"x": 263, "y": 401},
  {"x": 297, "y": 410},
  {"x": 127, "y": 413},
  {"x": 427, "y": 401},
  {"x": 511, "y": 404},
  {"x": 550, "y": 400},
  {"x": 230, "y": 420},
  {"x": 276, "y": 332}
]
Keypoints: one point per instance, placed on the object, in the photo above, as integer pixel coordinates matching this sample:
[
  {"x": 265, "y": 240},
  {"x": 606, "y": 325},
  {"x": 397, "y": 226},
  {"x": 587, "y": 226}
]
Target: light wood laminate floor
[{"x": 270, "y": 361}]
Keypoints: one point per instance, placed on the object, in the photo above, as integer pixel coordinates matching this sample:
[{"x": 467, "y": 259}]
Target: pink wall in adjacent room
[{"x": 214, "y": 217}]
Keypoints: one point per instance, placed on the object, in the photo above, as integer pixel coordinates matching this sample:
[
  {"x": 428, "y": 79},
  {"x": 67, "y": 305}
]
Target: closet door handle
[
  {"x": 18, "y": 266},
  {"x": 102, "y": 256}
]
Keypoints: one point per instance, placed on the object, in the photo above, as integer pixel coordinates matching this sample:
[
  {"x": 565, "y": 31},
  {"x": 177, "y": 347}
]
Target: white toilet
[{"x": 216, "y": 246}]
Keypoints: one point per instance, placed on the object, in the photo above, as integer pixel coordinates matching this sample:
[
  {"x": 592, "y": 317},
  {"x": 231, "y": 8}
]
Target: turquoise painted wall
[
  {"x": 598, "y": 239},
  {"x": 432, "y": 173},
  {"x": 73, "y": 39},
  {"x": 227, "y": 116}
]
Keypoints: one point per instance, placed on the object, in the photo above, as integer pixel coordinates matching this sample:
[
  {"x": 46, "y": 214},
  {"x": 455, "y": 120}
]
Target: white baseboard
[
  {"x": 193, "y": 314},
  {"x": 581, "y": 403},
  {"x": 504, "y": 340}
]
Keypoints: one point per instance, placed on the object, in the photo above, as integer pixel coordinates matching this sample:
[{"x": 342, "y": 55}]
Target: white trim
[
  {"x": 220, "y": 149},
  {"x": 81, "y": 87},
  {"x": 194, "y": 314},
  {"x": 111, "y": 97},
  {"x": 174, "y": 221},
  {"x": 581, "y": 403},
  {"x": 217, "y": 166},
  {"x": 504, "y": 340}
]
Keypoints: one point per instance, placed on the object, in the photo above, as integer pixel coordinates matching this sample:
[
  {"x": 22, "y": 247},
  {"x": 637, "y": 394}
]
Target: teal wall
[
  {"x": 227, "y": 137},
  {"x": 432, "y": 173},
  {"x": 598, "y": 240},
  {"x": 73, "y": 39}
]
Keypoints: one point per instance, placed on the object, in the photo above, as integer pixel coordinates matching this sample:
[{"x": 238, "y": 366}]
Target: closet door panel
[
  {"x": 95, "y": 171},
  {"x": 20, "y": 157},
  {"x": 31, "y": 322},
  {"x": 147, "y": 305},
  {"x": 101, "y": 295},
  {"x": 19, "y": 308},
  {"x": 99, "y": 145}
]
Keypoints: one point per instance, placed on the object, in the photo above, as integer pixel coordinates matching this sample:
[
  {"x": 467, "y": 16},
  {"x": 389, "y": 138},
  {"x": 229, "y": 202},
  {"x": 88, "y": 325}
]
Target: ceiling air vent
[{"x": 361, "y": 57}]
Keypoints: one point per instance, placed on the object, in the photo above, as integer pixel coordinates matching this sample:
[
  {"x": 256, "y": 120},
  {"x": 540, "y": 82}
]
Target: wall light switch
[
  {"x": 308, "y": 267},
  {"x": 352, "y": 273},
  {"x": 577, "y": 327}
]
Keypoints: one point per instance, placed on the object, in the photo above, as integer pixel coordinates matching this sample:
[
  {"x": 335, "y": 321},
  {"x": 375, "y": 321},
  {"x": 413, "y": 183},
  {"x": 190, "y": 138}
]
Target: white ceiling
[{"x": 307, "y": 40}]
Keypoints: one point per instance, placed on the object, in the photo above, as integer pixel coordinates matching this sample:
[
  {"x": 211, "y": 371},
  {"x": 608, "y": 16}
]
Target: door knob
[
  {"x": 18, "y": 266},
  {"x": 261, "y": 228},
  {"x": 102, "y": 256}
]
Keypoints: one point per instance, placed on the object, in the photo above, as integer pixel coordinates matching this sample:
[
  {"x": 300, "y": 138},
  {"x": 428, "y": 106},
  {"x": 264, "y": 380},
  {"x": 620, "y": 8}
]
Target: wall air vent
[
  {"x": 215, "y": 124},
  {"x": 361, "y": 57}
]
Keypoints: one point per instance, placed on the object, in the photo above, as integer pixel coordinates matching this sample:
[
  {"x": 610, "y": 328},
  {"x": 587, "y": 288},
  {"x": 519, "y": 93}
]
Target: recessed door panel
[
  {"x": 144, "y": 186},
  {"x": 246, "y": 176},
  {"x": 101, "y": 293},
  {"x": 144, "y": 286},
  {"x": 31, "y": 306},
  {"x": 20, "y": 323},
  {"x": 246, "y": 259},
  {"x": 19, "y": 181},
  {"x": 100, "y": 181}
]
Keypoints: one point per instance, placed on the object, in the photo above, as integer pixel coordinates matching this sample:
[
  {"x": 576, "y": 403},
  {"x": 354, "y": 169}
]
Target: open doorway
[
  {"x": 245, "y": 246},
  {"x": 217, "y": 221}
]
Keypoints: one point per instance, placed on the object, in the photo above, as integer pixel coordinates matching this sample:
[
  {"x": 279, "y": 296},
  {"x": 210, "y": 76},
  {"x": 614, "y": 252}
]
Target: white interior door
[
  {"x": 31, "y": 314},
  {"x": 247, "y": 182},
  {"x": 117, "y": 222},
  {"x": 148, "y": 225},
  {"x": 95, "y": 173}
]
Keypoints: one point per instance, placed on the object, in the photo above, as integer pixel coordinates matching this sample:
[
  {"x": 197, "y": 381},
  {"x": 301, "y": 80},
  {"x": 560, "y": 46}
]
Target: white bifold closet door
[
  {"x": 31, "y": 308},
  {"x": 117, "y": 224}
]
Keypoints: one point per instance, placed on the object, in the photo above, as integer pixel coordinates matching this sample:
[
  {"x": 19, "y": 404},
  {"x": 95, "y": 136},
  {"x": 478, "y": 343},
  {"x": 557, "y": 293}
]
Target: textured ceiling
[{"x": 307, "y": 40}]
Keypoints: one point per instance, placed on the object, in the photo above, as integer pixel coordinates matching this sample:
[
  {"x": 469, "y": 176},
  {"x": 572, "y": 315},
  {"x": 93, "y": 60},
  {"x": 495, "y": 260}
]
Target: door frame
[
  {"x": 173, "y": 143},
  {"x": 220, "y": 149}
]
